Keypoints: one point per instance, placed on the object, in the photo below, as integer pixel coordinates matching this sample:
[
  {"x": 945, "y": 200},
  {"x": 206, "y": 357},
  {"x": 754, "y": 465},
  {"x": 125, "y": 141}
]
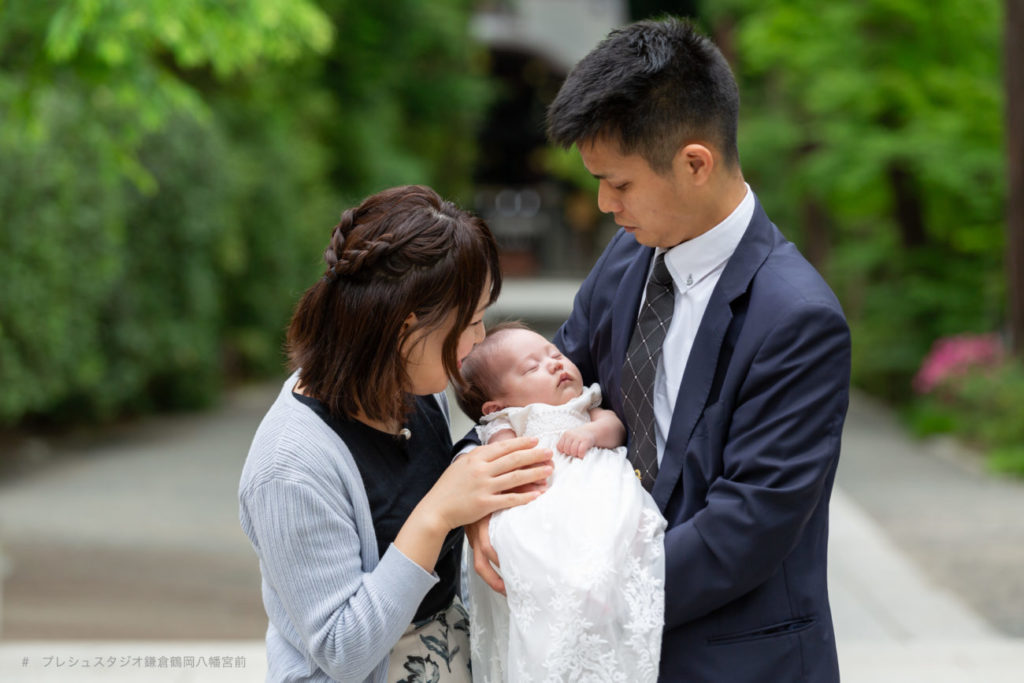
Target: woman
[{"x": 348, "y": 494}]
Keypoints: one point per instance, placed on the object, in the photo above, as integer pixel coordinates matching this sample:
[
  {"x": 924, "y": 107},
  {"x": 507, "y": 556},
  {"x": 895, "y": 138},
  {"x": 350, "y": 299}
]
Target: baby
[{"x": 583, "y": 564}]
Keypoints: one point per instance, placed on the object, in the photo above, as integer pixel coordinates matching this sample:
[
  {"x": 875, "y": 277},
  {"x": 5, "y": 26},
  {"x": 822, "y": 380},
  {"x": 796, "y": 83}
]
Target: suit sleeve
[{"x": 779, "y": 455}]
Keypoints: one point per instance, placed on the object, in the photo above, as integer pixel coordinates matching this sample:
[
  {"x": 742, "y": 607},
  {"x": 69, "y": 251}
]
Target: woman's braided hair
[{"x": 404, "y": 250}]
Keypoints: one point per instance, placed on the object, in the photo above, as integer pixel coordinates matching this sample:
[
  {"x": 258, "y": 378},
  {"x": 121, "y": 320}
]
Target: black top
[{"x": 397, "y": 473}]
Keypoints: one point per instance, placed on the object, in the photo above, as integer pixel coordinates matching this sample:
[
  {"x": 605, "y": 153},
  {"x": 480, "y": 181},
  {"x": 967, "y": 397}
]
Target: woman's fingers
[
  {"x": 533, "y": 486},
  {"x": 522, "y": 458},
  {"x": 511, "y": 482},
  {"x": 499, "y": 449},
  {"x": 511, "y": 500}
]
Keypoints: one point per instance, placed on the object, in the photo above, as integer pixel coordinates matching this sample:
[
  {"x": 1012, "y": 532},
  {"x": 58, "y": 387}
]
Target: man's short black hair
[{"x": 654, "y": 86}]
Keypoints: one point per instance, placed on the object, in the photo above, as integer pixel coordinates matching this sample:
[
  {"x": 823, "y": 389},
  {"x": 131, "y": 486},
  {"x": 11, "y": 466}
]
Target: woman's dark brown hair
[{"x": 404, "y": 250}]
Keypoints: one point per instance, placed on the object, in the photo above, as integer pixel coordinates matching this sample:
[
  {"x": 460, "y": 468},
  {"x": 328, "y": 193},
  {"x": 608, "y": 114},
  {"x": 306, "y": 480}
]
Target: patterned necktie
[{"x": 639, "y": 369}]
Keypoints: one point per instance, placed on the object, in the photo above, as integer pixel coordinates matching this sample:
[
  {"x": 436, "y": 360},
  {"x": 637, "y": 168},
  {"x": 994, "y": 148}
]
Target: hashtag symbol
[{"x": 24, "y": 661}]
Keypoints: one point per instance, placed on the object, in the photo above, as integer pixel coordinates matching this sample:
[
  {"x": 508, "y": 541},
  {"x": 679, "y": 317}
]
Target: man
[{"x": 723, "y": 351}]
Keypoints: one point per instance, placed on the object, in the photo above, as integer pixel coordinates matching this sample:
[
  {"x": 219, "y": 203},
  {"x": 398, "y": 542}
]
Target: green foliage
[
  {"x": 281, "y": 213},
  {"x": 228, "y": 36},
  {"x": 131, "y": 58},
  {"x": 567, "y": 166},
  {"x": 160, "y": 323},
  {"x": 1009, "y": 460},
  {"x": 873, "y": 134},
  {"x": 982, "y": 407},
  {"x": 60, "y": 243},
  {"x": 408, "y": 86},
  {"x": 170, "y": 172},
  {"x": 875, "y": 128}
]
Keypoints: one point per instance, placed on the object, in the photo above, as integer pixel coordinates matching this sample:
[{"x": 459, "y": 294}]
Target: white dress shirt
[{"x": 695, "y": 266}]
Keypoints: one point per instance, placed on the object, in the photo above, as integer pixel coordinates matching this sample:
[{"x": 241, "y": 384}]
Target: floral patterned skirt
[{"x": 435, "y": 650}]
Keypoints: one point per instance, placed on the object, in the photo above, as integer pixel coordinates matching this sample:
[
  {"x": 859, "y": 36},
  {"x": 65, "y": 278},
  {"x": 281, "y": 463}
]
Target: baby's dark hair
[{"x": 481, "y": 381}]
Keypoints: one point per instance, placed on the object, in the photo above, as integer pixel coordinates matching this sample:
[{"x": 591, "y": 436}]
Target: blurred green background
[{"x": 170, "y": 171}]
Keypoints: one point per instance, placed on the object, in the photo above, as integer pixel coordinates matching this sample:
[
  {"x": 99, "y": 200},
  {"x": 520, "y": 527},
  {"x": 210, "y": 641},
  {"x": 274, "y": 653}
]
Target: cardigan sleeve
[{"x": 309, "y": 549}]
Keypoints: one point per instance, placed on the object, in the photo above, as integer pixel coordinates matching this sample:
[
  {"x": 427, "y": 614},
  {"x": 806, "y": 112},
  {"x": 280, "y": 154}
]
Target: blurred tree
[
  {"x": 872, "y": 132},
  {"x": 132, "y": 57},
  {"x": 170, "y": 172},
  {"x": 1013, "y": 63},
  {"x": 112, "y": 294},
  {"x": 395, "y": 100},
  {"x": 409, "y": 90}
]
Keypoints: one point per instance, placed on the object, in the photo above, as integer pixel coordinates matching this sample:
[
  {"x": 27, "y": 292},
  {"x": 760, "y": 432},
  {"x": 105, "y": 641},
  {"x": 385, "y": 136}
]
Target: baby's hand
[{"x": 576, "y": 442}]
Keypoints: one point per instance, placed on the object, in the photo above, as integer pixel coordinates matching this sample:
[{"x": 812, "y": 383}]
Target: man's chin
[{"x": 640, "y": 236}]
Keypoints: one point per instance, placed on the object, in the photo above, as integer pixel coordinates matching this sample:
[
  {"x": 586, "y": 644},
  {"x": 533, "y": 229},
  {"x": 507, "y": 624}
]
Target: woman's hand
[
  {"x": 490, "y": 478},
  {"x": 486, "y": 479}
]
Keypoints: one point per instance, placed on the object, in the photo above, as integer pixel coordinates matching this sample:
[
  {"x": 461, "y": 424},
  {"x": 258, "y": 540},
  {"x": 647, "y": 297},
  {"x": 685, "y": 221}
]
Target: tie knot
[{"x": 660, "y": 274}]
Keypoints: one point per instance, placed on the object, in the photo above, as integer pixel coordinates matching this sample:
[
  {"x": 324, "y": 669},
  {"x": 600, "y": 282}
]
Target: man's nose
[{"x": 607, "y": 202}]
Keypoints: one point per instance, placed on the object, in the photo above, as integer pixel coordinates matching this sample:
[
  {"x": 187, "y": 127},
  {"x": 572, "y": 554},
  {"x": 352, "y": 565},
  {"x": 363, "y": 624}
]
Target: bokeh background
[{"x": 170, "y": 171}]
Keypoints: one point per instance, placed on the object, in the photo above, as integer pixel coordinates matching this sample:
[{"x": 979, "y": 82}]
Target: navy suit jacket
[{"x": 750, "y": 456}]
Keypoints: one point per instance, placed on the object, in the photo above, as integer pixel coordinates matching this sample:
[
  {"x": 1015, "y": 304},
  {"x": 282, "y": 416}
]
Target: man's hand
[
  {"x": 478, "y": 533},
  {"x": 479, "y": 537},
  {"x": 485, "y": 558}
]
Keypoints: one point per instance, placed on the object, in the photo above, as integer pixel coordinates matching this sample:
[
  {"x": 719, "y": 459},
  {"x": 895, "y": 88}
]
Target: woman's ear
[
  {"x": 409, "y": 321},
  {"x": 491, "y": 407}
]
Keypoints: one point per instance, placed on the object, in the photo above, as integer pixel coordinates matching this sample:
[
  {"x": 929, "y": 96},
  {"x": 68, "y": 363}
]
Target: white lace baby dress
[{"x": 583, "y": 566}]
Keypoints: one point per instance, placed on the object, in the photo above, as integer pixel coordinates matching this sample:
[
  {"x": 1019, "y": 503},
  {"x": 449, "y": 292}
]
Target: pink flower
[{"x": 953, "y": 357}]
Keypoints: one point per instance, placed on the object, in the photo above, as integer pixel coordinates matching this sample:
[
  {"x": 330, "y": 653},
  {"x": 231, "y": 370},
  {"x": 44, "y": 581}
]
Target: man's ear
[
  {"x": 491, "y": 407},
  {"x": 694, "y": 161}
]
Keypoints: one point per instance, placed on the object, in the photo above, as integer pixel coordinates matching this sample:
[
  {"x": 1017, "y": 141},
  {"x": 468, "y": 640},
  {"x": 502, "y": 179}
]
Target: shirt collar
[{"x": 693, "y": 260}]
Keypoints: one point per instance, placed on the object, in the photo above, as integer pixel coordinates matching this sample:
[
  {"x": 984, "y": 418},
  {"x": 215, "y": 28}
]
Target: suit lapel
[{"x": 750, "y": 253}]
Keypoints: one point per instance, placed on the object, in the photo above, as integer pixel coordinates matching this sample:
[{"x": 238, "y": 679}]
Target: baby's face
[{"x": 534, "y": 371}]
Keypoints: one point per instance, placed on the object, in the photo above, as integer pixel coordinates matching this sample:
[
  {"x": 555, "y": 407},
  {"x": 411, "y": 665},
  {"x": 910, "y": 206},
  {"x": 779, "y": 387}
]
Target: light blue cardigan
[{"x": 334, "y": 610}]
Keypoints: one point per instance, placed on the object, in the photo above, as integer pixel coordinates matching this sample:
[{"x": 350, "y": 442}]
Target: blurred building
[{"x": 545, "y": 226}]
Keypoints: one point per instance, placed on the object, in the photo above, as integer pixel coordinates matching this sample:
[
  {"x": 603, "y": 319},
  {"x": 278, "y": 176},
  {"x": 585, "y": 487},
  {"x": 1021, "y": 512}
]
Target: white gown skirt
[{"x": 584, "y": 570}]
